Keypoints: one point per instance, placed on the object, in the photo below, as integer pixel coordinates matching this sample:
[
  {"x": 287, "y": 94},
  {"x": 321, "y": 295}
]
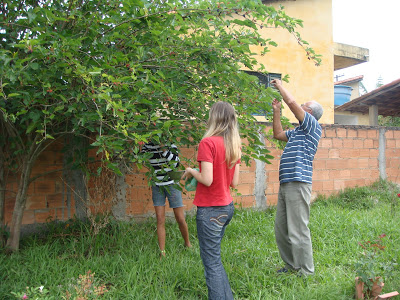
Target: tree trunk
[
  {"x": 3, "y": 138},
  {"x": 2, "y": 196},
  {"x": 75, "y": 178},
  {"x": 119, "y": 204},
  {"x": 19, "y": 207},
  {"x": 2, "y": 186}
]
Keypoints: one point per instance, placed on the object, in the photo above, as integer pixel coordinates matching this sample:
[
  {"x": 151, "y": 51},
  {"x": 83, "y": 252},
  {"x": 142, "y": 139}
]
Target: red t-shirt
[{"x": 212, "y": 149}]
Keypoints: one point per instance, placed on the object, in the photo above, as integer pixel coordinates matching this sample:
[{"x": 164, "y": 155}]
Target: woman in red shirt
[{"x": 218, "y": 156}]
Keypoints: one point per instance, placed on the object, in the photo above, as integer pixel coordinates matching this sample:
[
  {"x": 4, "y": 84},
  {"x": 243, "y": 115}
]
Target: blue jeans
[
  {"x": 160, "y": 193},
  {"x": 211, "y": 223}
]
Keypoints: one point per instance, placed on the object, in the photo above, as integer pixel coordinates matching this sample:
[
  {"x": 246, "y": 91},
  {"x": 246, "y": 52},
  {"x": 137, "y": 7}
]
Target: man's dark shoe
[{"x": 283, "y": 270}]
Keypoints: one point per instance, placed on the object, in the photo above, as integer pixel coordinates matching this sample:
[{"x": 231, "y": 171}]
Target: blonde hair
[{"x": 222, "y": 121}]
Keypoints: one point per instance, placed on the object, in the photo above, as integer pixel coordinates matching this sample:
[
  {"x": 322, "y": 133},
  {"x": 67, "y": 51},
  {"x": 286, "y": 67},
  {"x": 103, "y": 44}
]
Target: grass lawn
[{"x": 124, "y": 256}]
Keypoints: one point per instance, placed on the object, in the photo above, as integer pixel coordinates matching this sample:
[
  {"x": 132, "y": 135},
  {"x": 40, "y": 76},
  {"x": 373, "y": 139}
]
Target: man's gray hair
[{"x": 317, "y": 109}]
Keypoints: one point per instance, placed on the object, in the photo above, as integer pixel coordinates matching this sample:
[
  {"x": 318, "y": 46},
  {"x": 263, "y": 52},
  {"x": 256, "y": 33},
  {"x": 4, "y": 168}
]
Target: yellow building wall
[
  {"x": 355, "y": 93},
  {"x": 307, "y": 82}
]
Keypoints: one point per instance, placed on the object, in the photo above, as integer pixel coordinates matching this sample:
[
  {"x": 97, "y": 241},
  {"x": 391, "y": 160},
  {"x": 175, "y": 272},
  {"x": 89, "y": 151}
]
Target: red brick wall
[
  {"x": 347, "y": 157},
  {"x": 393, "y": 155}
]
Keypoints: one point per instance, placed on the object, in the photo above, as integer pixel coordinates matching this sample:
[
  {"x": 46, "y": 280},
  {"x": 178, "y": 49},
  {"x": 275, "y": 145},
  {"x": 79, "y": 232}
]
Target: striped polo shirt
[
  {"x": 162, "y": 161},
  {"x": 298, "y": 155}
]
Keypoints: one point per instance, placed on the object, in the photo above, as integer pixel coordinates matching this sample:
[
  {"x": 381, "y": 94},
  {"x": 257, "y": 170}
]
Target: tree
[
  {"x": 389, "y": 121},
  {"x": 120, "y": 73}
]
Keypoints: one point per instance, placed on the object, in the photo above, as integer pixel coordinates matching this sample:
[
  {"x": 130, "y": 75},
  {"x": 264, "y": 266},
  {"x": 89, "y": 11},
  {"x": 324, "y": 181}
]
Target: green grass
[{"x": 124, "y": 256}]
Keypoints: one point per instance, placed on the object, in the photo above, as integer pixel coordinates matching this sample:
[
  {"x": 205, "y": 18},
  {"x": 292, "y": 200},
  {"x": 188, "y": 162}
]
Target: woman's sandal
[{"x": 162, "y": 254}]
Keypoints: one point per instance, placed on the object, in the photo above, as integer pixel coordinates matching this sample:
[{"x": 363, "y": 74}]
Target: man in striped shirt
[
  {"x": 163, "y": 161},
  {"x": 295, "y": 176}
]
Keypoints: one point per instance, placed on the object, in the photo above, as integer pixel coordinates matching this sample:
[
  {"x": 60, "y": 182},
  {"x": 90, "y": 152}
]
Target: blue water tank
[{"x": 342, "y": 94}]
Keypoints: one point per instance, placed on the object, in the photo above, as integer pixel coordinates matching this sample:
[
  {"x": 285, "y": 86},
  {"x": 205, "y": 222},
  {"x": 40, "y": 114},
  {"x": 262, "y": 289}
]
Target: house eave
[{"x": 347, "y": 55}]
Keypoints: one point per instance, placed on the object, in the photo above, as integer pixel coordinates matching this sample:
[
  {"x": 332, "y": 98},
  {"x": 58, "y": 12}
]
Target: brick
[
  {"x": 149, "y": 207},
  {"x": 143, "y": 194},
  {"x": 321, "y": 153},
  {"x": 358, "y": 144},
  {"x": 188, "y": 195},
  {"x": 136, "y": 180},
  {"x": 325, "y": 143},
  {"x": 348, "y": 143},
  {"x": 345, "y": 174},
  {"x": 187, "y": 152},
  {"x": 362, "y": 133},
  {"x": 351, "y": 133},
  {"x": 396, "y": 134},
  {"x": 336, "y": 164},
  {"x": 376, "y": 144},
  {"x": 373, "y": 163},
  {"x": 373, "y": 133},
  {"x": 131, "y": 194},
  {"x": 247, "y": 201},
  {"x": 9, "y": 206},
  {"x": 346, "y": 157},
  {"x": 391, "y": 153},
  {"x": 364, "y": 153},
  {"x": 351, "y": 183},
  {"x": 319, "y": 164},
  {"x": 28, "y": 217},
  {"x": 71, "y": 212},
  {"x": 333, "y": 174},
  {"x": 330, "y": 132},
  {"x": 59, "y": 186},
  {"x": 189, "y": 205},
  {"x": 250, "y": 168},
  {"x": 341, "y": 132},
  {"x": 55, "y": 200},
  {"x": 57, "y": 146},
  {"x": 276, "y": 152},
  {"x": 276, "y": 187},
  {"x": 390, "y": 143},
  {"x": 328, "y": 185},
  {"x": 59, "y": 214},
  {"x": 339, "y": 184},
  {"x": 322, "y": 174},
  {"x": 274, "y": 165},
  {"x": 374, "y": 174},
  {"x": 343, "y": 153},
  {"x": 337, "y": 143},
  {"x": 273, "y": 176},
  {"x": 10, "y": 185},
  {"x": 45, "y": 157},
  {"x": 363, "y": 163},
  {"x": 44, "y": 187},
  {"x": 246, "y": 177},
  {"x": 334, "y": 153},
  {"x": 389, "y": 134},
  {"x": 368, "y": 143},
  {"x": 272, "y": 200},
  {"x": 356, "y": 173},
  {"x": 317, "y": 185},
  {"x": 136, "y": 207},
  {"x": 36, "y": 202},
  {"x": 246, "y": 189},
  {"x": 326, "y": 193},
  {"x": 55, "y": 172},
  {"x": 45, "y": 215}
]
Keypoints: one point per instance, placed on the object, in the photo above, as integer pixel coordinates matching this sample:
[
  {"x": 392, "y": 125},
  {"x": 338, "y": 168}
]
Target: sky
[{"x": 374, "y": 25}]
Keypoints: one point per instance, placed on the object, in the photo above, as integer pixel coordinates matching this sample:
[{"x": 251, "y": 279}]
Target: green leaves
[{"x": 133, "y": 71}]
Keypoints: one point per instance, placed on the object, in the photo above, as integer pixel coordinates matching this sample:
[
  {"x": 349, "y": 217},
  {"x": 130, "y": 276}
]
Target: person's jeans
[{"x": 211, "y": 223}]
